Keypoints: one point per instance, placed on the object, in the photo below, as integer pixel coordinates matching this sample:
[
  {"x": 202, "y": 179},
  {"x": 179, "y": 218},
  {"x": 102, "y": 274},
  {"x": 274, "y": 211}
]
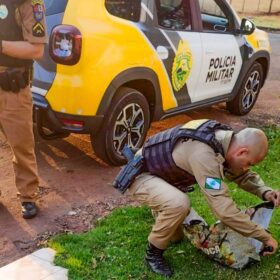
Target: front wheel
[
  {"x": 248, "y": 93},
  {"x": 126, "y": 122}
]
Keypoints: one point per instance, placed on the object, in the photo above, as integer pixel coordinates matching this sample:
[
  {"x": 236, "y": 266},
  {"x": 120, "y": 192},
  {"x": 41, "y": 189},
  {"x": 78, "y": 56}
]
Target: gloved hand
[{"x": 269, "y": 247}]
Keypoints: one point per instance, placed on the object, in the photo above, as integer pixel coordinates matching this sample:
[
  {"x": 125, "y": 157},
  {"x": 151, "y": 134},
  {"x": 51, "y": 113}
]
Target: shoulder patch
[
  {"x": 38, "y": 30},
  {"x": 213, "y": 183},
  {"x": 38, "y": 10},
  {"x": 37, "y": 2}
]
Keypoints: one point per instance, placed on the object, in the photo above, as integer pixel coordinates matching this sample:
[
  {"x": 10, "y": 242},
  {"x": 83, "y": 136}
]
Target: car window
[
  {"x": 213, "y": 17},
  {"x": 174, "y": 14},
  {"x": 55, "y": 6},
  {"x": 125, "y": 9}
]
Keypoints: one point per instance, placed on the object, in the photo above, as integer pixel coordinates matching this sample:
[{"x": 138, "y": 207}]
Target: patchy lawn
[
  {"x": 115, "y": 248},
  {"x": 268, "y": 21}
]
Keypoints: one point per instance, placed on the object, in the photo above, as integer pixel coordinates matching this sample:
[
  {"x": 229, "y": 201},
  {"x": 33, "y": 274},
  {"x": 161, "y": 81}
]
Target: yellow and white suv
[{"x": 113, "y": 66}]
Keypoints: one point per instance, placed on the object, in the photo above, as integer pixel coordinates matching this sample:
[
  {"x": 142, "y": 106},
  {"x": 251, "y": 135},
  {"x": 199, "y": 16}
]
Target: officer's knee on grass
[{"x": 182, "y": 205}]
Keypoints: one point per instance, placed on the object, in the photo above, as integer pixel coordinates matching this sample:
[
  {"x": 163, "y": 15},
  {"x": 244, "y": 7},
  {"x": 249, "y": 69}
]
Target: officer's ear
[{"x": 242, "y": 152}]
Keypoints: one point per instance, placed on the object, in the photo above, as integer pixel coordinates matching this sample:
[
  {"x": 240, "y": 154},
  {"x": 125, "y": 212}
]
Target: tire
[
  {"x": 127, "y": 122},
  {"x": 248, "y": 93}
]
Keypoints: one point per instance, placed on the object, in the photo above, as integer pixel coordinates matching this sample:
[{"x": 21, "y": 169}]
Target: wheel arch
[
  {"x": 265, "y": 65},
  {"x": 262, "y": 57},
  {"x": 141, "y": 79}
]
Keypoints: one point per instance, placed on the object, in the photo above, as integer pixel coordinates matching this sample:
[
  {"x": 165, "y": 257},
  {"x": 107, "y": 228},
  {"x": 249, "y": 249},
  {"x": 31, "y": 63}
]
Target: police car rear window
[
  {"x": 55, "y": 6},
  {"x": 125, "y": 9}
]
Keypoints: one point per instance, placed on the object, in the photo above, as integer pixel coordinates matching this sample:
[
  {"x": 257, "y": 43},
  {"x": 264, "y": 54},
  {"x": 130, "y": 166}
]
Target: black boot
[
  {"x": 156, "y": 262},
  {"x": 29, "y": 210}
]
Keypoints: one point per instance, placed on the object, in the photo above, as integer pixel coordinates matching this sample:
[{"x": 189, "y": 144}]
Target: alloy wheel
[
  {"x": 129, "y": 127},
  {"x": 251, "y": 90}
]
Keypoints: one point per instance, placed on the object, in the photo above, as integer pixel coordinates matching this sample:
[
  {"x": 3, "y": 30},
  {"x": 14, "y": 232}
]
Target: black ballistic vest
[
  {"x": 11, "y": 31},
  {"x": 157, "y": 151}
]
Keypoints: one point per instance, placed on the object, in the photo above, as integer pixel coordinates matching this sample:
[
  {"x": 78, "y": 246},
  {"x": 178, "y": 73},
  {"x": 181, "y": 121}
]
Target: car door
[
  {"x": 178, "y": 45},
  {"x": 221, "y": 58}
]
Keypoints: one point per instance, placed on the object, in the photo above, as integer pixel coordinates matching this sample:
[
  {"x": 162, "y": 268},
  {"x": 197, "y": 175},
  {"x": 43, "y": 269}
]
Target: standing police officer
[
  {"x": 205, "y": 152},
  {"x": 22, "y": 39}
]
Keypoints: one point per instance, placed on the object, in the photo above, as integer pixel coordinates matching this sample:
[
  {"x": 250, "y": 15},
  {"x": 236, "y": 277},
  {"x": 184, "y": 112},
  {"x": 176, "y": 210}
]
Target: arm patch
[
  {"x": 213, "y": 183},
  {"x": 38, "y": 29}
]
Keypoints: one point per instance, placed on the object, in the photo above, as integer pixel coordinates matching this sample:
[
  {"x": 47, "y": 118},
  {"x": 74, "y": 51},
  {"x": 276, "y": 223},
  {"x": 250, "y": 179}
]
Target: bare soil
[{"x": 76, "y": 186}]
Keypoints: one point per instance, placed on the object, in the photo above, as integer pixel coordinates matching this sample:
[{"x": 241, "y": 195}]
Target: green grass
[
  {"x": 268, "y": 21},
  {"x": 115, "y": 248}
]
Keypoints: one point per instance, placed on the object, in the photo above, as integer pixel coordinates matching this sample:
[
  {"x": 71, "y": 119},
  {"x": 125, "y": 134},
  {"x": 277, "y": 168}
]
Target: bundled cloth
[{"x": 224, "y": 245}]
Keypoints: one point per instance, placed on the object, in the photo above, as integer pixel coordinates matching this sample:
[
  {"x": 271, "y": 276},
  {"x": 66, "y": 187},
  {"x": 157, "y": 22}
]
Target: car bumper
[{"x": 65, "y": 123}]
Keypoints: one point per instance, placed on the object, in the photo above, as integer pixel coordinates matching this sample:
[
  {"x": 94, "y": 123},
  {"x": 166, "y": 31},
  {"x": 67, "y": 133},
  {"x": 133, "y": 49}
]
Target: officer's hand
[
  {"x": 270, "y": 244},
  {"x": 250, "y": 211},
  {"x": 273, "y": 196}
]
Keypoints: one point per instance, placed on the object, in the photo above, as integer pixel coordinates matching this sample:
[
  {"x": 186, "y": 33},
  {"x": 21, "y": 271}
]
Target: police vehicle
[{"x": 113, "y": 66}]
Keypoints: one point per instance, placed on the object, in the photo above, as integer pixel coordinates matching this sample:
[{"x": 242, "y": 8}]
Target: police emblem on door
[{"x": 182, "y": 65}]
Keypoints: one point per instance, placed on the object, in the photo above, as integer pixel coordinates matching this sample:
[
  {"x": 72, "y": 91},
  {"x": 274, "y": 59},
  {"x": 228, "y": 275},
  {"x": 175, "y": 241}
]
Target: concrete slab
[{"x": 36, "y": 266}]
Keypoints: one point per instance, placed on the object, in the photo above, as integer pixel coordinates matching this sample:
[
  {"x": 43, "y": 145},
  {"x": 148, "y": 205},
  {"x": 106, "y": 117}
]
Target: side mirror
[{"x": 247, "y": 27}]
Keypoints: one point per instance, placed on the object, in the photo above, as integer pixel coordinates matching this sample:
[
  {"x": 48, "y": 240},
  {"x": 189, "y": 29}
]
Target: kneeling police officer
[
  {"x": 22, "y": 39},
  {"x": 203, "y": 152}
]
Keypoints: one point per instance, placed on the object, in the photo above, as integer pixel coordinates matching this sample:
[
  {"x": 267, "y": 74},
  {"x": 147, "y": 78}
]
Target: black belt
[{"x": 14, "y": 80}]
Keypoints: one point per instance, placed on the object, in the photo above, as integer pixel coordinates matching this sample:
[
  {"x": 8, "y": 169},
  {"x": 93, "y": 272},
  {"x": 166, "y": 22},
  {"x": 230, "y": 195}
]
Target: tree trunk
[
  {"x": 243, "y": 7},
  {"x": 270, "y": 6}
]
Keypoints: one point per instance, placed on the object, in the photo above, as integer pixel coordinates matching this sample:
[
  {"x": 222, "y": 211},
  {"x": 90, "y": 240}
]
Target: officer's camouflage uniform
[
  {"x": 16, "y": 108},
  {"x": 172, "y": 205}
]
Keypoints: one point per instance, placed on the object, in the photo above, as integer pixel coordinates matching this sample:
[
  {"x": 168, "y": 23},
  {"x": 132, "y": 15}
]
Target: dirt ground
[{"x": 76, "y": 186}]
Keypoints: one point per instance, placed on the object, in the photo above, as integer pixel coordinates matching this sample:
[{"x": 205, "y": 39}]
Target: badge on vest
[
  {"x": 3, "y": 12},
  {"x": 213, "y": 183}
]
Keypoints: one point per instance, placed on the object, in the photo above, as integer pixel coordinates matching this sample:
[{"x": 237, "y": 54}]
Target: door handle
[{"x": 220, "y": 28}]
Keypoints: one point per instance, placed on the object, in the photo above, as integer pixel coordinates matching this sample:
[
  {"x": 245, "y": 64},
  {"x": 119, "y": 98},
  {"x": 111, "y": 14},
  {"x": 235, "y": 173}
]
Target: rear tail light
[
  {"x": 72, "y": 123},
  {"x": 65, "y": 44}
]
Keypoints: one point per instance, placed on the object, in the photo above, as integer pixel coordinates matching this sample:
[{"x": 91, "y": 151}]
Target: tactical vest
[
  {"x": 11, "y": 31},
  {"x": 157, "y": 150}
]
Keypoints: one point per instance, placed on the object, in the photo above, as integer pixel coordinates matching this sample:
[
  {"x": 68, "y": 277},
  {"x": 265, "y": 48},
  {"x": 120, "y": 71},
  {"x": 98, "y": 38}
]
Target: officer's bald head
[
  {"x": 254, "y": 139},
  {"x": 248, "y": 147}
]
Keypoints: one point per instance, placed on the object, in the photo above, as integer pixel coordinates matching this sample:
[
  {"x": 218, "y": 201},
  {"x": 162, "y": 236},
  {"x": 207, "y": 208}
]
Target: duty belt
[{"x": 14, "y": 80}]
